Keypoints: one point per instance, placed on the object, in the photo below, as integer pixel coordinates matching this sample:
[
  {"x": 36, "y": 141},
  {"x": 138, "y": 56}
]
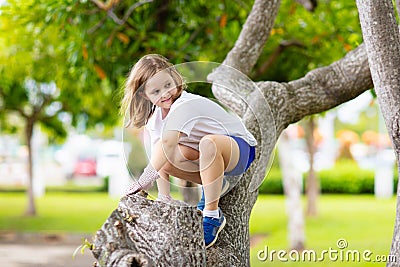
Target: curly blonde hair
[{"x": 140, "y": 108}]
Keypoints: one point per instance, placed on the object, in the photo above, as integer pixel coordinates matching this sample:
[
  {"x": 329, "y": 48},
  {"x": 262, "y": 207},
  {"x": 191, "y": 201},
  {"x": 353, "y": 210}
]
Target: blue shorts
[{"x": 247, "y": 155}]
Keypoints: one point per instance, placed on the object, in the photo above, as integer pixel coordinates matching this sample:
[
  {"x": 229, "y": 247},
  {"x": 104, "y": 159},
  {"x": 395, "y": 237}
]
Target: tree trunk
[
  {"x": 292, "y": 188},
  {"x": 31, "y": 208},
  {"x": 266, "y": 108},
  {"x": 312, "y": 183},
  {"x": 143, "y": 232},
  {"x": 382, "y": 40}
]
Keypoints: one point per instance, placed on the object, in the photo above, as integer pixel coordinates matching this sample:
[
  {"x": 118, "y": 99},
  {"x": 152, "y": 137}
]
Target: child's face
[{"x": 161, "y": 90}]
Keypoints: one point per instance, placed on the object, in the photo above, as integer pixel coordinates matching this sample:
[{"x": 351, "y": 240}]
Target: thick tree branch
[
  {"x": 321, "y": 89},
  {"x": 230, "y": 84},
  {"x": 254, "y": 34}
]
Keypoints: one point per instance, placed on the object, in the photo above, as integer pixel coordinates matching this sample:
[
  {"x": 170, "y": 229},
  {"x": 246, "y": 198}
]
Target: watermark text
[{"x": 340, "y": 253}]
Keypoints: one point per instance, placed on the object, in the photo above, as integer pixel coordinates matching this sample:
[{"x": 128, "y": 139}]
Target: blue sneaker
[
  {"x": 202, "y": 202},
  {"x": 212, "y": 227}
]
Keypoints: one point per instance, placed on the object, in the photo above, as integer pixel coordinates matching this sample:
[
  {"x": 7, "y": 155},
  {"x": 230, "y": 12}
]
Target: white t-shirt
[{"x": 196, "y": 116}]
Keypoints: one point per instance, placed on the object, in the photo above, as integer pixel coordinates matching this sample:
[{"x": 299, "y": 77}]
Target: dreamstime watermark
[{"x": 340, "y": 253}]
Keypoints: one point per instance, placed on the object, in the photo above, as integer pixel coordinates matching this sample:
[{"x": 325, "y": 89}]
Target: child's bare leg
[
  {"x": 167, "y": 152},
  {"x": 184, "y": 165},
  {"x": 163, "y": 183},
  {"x": 218, "y": 153}
]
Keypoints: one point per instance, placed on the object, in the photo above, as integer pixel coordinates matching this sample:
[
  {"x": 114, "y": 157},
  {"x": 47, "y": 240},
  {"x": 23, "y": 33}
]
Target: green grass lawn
[
  {"x": 365, "y": 222},
  {"x": 57, "y": 212}
]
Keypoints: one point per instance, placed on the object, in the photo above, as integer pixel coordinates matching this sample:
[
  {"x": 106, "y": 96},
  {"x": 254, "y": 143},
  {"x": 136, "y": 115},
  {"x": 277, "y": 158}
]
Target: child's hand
[
  {"x": 145, "y": 181},
  {"x": 136, "y": 187},
  {"x": 133, "y": 188}
]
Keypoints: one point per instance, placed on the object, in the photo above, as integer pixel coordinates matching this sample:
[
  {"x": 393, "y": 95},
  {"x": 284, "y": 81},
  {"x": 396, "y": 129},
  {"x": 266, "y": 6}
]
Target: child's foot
[
  {"x": 212, "y": 227},
  {"x": 202, "y": 202}
]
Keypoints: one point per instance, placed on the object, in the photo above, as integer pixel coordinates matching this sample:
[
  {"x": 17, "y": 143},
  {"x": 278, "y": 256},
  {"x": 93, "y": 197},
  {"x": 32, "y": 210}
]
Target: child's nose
[{"x": 165, "y": 94}]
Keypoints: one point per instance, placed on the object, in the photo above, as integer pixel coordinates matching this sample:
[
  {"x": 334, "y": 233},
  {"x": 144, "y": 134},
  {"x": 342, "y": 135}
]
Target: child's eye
[
  {"x": 168, "y": 85},
  {"x": 155, "y": 92}
]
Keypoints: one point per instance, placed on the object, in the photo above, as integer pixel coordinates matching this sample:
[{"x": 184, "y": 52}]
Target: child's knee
[
  {"x": 207, "y": 147},
  {"x": 166, "y": 169}
]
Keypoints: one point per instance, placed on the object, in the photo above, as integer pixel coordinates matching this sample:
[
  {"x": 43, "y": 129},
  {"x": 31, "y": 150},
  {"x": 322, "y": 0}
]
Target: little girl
[{"x": 192, "y": 137}]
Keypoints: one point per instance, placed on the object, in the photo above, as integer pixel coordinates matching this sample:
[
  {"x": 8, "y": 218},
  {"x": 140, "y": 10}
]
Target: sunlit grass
[
  {"x": 366, "y": 223},
  {"x": 57, "y": 212}
]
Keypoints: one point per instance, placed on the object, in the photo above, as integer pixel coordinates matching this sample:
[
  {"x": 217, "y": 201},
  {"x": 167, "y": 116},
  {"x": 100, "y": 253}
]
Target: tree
[
  {"x": 292, "y": 183},
  {"x": 32, "y": 85},
  {"x": 26, "y": 90},
  {"x": 382, "y": 40},
  {"x": 176, "y": 232},
  {"x": 32, "y": 104},
  {"x": 312, "y": 184}
]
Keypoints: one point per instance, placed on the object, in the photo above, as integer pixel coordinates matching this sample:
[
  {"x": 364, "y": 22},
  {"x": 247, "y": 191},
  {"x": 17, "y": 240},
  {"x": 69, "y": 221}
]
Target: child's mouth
[{"x": 166, "y": 100}]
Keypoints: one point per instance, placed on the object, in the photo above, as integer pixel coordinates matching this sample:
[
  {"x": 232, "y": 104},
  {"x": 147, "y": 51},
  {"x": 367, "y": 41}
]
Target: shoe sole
[{"x": 216, "y": 236}]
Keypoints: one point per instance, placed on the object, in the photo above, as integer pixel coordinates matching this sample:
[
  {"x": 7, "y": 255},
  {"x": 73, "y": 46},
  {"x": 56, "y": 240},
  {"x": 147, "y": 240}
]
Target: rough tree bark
[
  {"x": 173, "y": 236},
  {"x": 382, "y": 40}
]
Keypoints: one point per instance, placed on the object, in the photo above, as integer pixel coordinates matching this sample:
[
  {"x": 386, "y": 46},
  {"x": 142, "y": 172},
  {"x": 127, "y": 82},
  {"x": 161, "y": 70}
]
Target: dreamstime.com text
[{"x": 339, "y": 254}]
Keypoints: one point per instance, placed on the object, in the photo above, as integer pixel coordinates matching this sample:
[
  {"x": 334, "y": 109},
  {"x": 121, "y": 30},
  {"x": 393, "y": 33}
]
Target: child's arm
[
  {"x": 163, "y": 184},
  {"x": 163, "y": 151}
]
